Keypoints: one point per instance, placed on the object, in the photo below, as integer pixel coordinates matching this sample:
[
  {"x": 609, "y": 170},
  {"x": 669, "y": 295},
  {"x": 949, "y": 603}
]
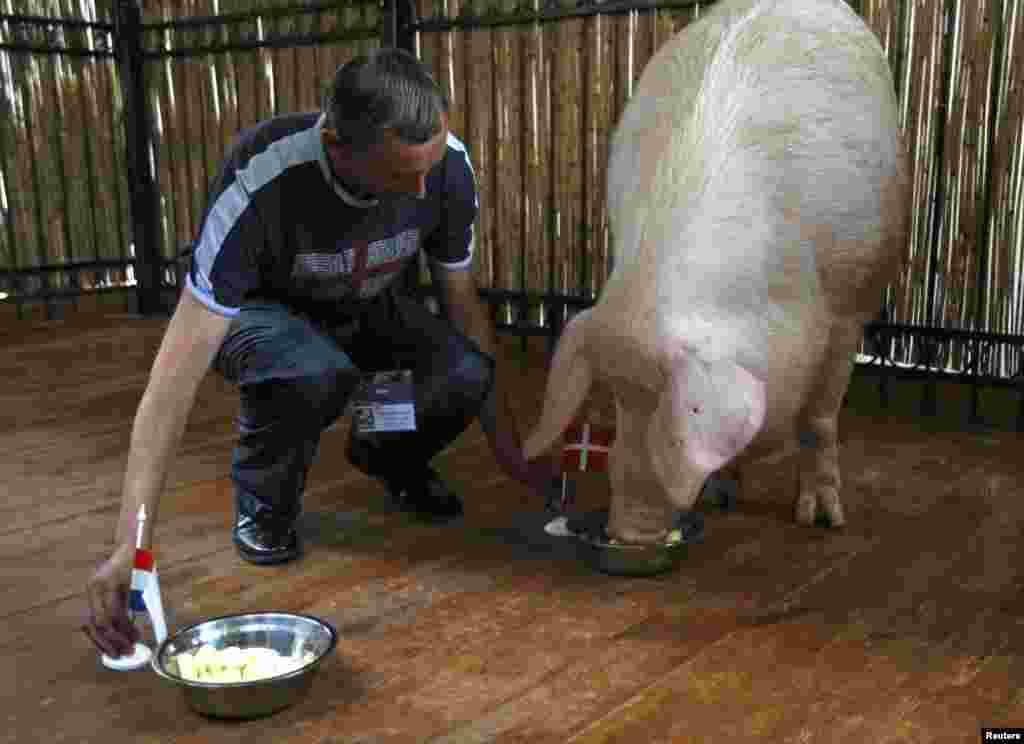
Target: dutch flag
[{"x": 145, "y": 593}]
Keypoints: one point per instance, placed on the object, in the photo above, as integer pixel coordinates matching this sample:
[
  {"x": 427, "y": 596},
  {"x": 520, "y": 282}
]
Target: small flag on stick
[
  {"x": 143, "y": 596},
  {"x": 145, "y": 591},
  {"x": 586, "y": 448}
]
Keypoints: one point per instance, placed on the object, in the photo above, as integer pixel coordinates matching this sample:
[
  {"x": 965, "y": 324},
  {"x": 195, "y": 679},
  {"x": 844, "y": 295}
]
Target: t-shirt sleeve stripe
[
  {"x": 222, "y": 218},
  {"x": 466, "y": 262},
  {"x": 208, "y": 301}
]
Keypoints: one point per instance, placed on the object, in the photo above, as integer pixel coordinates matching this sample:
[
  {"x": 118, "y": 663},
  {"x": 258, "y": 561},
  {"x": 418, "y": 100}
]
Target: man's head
[{"x": 386, "y": 123}]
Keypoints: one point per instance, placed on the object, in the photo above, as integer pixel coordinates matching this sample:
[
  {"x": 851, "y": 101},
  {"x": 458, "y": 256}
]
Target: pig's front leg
[{"x": 820, "y": 477}]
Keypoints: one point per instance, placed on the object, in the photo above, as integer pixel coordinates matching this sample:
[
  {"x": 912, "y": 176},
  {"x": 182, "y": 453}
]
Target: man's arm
[
  {"x": 469, "y": 315},
  {"x": 465, "y": 308},
  {"x": 192, "y": 339}
]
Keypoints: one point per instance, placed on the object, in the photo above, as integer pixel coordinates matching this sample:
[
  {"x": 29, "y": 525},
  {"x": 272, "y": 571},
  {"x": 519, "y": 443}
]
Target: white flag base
[
  {"x": 558, "y": 527},
  {"x": 139, "y": 659}
]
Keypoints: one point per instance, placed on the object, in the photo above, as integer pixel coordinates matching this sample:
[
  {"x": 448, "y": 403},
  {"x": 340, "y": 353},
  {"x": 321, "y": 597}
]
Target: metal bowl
[
  {"x": 618, "y": 559},
  {"x": 631, "y": 560},
  {"x": 287, "y": 633}
]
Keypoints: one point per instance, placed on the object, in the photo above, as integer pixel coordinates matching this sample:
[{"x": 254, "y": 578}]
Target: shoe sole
[{"x": 268, "y": 560}]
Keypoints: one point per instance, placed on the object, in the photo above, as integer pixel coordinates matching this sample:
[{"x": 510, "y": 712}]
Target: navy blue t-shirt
[{"x": 279, "y": 226}]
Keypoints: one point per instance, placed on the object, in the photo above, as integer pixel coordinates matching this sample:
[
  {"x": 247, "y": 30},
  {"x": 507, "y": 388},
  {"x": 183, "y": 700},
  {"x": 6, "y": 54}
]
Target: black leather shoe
[
  {"x": 426, "y": 497},
  {"x": 265, "y": 544}
]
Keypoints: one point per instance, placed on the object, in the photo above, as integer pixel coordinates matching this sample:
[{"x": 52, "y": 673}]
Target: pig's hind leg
[{"x": 820, "y": 477}]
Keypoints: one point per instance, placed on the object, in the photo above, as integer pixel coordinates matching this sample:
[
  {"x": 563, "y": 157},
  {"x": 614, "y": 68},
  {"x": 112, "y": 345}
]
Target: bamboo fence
[
  {"x": 957, "y": 67},
  {"x": 535, "y": 103},
  {"x": 62, "y": 176}
]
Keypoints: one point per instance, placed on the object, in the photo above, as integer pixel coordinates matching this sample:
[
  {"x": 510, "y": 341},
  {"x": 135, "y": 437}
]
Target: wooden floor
[{"x": 903, "y": 627}]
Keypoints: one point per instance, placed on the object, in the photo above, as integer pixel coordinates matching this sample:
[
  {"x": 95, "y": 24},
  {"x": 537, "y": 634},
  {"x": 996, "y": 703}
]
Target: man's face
[{"x": 389, "y": 167}]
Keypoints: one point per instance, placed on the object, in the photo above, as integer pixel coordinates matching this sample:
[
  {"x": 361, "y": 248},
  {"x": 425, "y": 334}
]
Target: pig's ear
[
  {"x": 568, "y": 384},
  {"x": 708, "y": 413}
]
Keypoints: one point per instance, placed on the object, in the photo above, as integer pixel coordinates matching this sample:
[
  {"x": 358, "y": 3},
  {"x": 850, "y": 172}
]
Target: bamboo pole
[
  {"x": 220, "y": 91},
  {"x": 935, "y": 180},
  {"x": 926, "y": 61},
  {"x": 592, "y": 274},
  {"x": 931, "y": 59},
  {"x": 964, "y": 253},
  {"x": 645, "y": 35},
  {"x": 84, "y": 84},
  {"x": 36, "y": 156},
  {"x": 118, "y": 172},
  {"x": 11, "y": 254},
  {"x": 206, "y": 129},
  {"x": 536, "y": 153},
  {"x": 479, "y": 98},
  {"x": 186, "y": 92},
  {"x": 989, "y": 176},
  {"x": 508, "y": 182},
  {"x": 1001, "y": 206},
  {"x": 450, "y": 60},
  {"x": 572, "y": 260},
  {"x": 599, "y": 125},
  {"x": 1014, "y": 207},
  {"x": 166, "y": 123}
]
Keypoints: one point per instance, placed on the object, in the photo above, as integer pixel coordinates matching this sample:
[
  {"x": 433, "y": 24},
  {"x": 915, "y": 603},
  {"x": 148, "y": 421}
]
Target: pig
[{"x": 759, "y": 204}]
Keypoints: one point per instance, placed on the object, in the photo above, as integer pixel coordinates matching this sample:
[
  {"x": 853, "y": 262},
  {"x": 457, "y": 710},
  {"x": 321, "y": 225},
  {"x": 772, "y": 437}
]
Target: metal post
[
  {"x": 399, "y": 15},
  {"x": 141, "y": 158}
]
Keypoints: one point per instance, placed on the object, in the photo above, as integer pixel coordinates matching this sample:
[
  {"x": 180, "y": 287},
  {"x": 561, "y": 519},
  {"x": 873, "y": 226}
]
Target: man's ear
[
  {"x": 336, "y": 150},
  {"x": 328, "y": 137}
]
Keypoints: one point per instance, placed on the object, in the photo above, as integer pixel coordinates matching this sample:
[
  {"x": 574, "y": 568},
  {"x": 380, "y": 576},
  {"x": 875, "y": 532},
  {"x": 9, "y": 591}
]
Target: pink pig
[{"x": 759, "y": 194}]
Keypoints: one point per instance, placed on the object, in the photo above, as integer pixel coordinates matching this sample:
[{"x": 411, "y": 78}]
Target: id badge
[{"x": 383, "y": 402}]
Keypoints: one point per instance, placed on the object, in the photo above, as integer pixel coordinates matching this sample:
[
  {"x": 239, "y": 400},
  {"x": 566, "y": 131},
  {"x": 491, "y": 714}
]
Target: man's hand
[
  {"x": 108, "y": 624},
  {"x": 498, "y": 423}
]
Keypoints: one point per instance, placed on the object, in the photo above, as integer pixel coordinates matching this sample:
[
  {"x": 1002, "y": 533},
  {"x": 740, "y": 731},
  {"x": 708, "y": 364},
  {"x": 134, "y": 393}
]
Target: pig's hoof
[
  {"x": 821, "y": 509},
  {"x": 829, "y": 500},
  {"x": 720, "y": 492}
]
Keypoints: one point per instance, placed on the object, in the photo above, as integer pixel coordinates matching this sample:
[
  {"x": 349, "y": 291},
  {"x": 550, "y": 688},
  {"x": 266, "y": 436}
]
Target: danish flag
[{"x": 586, "y": 448}]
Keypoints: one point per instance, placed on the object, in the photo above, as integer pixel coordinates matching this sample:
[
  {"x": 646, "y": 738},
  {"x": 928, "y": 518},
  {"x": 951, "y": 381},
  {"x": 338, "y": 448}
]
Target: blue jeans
[{"x": 295, "y": 373}]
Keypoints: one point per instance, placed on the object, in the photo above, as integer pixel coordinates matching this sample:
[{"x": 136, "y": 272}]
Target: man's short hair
[{"x": 385, "y": 89}]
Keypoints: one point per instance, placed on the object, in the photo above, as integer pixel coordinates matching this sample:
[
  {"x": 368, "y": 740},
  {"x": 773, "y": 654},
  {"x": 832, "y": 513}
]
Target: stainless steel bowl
[
  {"x": 287, "y": 633},
  {"x": 631, "y": 560},
  {"x": 618, "y": 559}
]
